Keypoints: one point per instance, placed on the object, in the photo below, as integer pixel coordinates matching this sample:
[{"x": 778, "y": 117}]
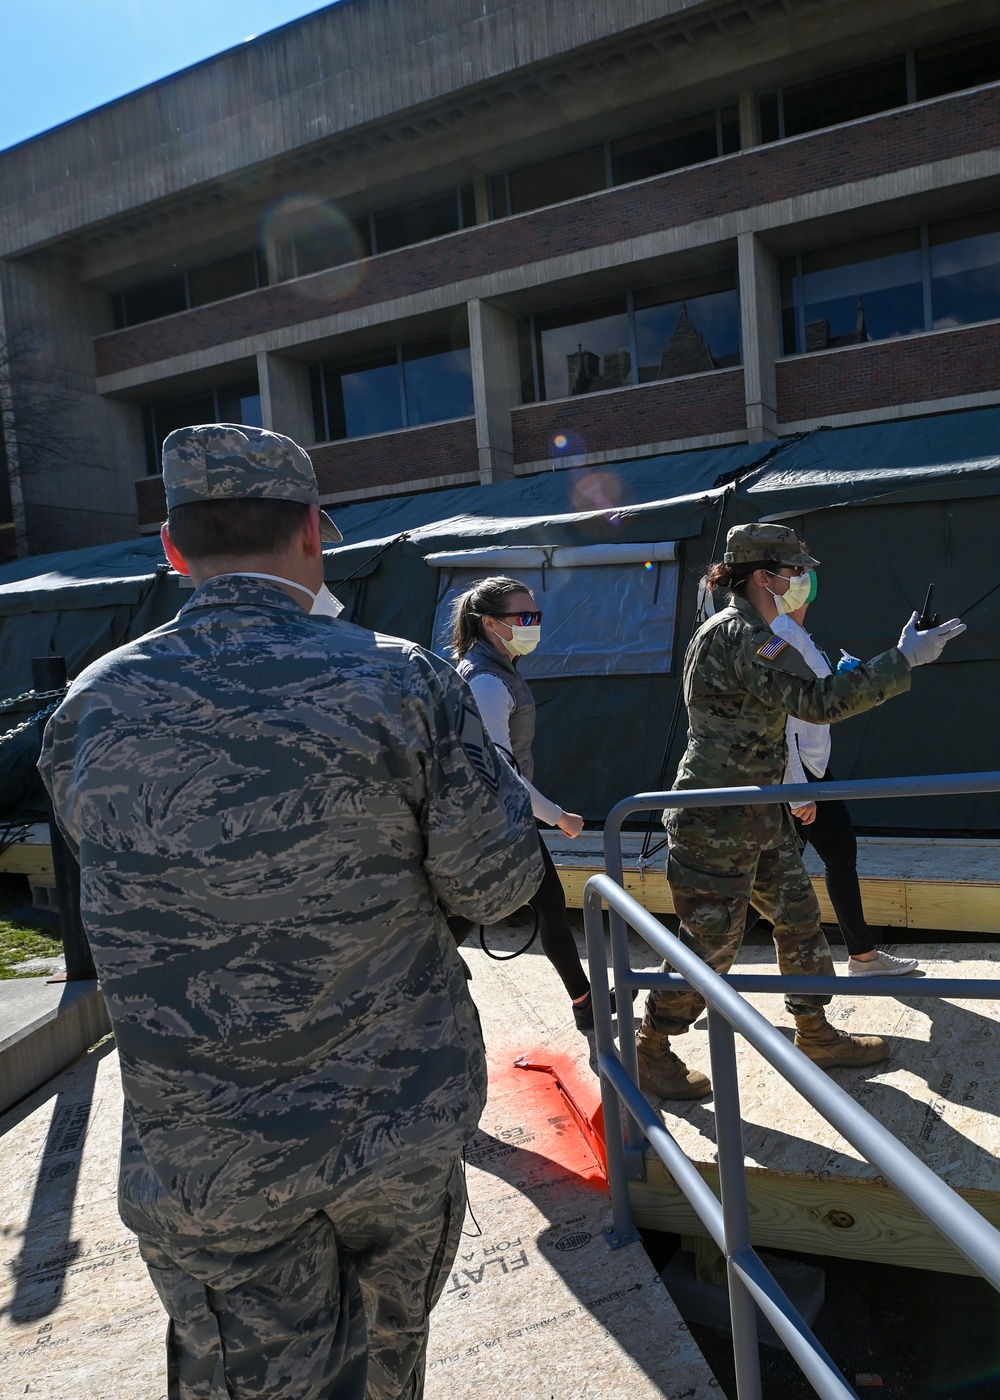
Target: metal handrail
[{"x": 727, "y": 1222}]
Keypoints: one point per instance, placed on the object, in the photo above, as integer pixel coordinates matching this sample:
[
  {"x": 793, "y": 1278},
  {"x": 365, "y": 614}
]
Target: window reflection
[
  {"x": 687, "y": 328},
  {"x": 438, "y": 381},
  {"x": 883, "y": 287},
  {"x": 428, "y": 381},
  {"x": 965, "y": 270},
  {"x": 363, "y": 396},
  {"x": 660, "y": 332},
  {"x": 869, "y": 290},
  {"x": 583, "y": 349}
]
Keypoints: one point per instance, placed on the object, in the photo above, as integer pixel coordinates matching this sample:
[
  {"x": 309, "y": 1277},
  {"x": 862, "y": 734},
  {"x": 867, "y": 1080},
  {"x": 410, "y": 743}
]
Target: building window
[
  {"x": 687, "y": 328},
  {"x": 233, "y": 403},
  {"x": 427, "y": 381},
  {"x": 582, "y": 349},
  {"x": 424, "y": 219},
  {"x": 227, "y": 277},
  {"x": 964, "y": 257},
  {"x": 659, "y": 332},
  {"x": 150, "y": 301},
  {"x": 912, "y": 76},
  {"x": 637, "y": 157},
  {"x": 960, "y": 63},
  {"x": 688, "y": 142},
  {"x": 928, "y": 278}
]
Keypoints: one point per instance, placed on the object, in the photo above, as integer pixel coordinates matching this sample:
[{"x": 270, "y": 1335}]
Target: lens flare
[
  {"x": 302, "y": 234},
  {"x": 567, "y": 444}
]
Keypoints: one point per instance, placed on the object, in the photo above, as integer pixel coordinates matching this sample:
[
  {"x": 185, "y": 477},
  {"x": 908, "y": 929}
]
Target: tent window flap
[{"x": 609, "y": 617}]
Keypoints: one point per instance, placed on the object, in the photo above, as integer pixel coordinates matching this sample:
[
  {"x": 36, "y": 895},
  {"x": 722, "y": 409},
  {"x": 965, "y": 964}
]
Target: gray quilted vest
[{"x": 483, "y": 659}]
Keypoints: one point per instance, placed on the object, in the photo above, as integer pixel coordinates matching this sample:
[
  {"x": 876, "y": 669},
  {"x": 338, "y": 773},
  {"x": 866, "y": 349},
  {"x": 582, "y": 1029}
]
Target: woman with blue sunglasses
[{"x": 494, "y": 623}]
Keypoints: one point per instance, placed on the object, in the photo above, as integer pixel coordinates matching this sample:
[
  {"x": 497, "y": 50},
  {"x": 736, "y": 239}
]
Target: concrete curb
[{"x": 43, "y": 1028}]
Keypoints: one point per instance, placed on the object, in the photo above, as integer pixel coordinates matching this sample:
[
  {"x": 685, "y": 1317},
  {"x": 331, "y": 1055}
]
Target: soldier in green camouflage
[
  {"x": 273, "y": 812},
  {"x": 741, "y": 681}
]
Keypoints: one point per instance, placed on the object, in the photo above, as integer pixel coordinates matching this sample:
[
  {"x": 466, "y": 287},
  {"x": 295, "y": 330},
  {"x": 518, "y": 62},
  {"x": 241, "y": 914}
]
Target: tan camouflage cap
[
  {"x": 230, "y": 461},
  {"x": 776, "y": 544}
]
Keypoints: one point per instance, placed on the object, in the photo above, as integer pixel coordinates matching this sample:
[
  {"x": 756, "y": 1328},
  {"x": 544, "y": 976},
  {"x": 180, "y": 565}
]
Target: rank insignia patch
[
  {"x": 472, "y": 737},
  {"x": 773, "y": 647}
]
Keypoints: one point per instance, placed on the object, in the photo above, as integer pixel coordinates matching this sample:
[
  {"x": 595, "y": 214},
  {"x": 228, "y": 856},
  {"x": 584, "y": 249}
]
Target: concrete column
[
  {"x": 761, "y": 330},
  {"x": 481, "y": 189},
  {"x": 749, "y": 121},
  {"x": 496, "y": 387},
  {"x": 285, "y": 400},
  {"x": 10, "y": 456}
]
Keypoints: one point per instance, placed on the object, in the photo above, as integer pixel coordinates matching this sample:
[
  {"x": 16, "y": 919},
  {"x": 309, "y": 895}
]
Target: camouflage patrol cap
[
  {"x": 230, "y": 461},
  {"x": 758, "y": 544}
]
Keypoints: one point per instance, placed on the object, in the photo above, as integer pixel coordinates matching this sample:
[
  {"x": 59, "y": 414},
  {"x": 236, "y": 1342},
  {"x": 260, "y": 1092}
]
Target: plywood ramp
[
  {"x": 537, "y": 1306},
  {"x": 809, "y": 1189},
  {"x": 905, "y": 883}
]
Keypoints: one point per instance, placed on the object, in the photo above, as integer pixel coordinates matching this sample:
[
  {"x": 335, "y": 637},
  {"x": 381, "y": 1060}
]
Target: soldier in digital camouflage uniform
[
  {"x": 270, "y": 810},
  {"x": 741, "y": 681}
]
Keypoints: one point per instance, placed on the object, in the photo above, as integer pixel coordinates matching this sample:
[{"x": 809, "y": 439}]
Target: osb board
[
  {"x": 938, "y": 1093},
  {"x": 537, "y": 1306},
  {"x": 79, "y": 1318}
]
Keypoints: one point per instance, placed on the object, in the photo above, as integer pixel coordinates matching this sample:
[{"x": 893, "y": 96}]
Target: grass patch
[
  {"x": 18, "y": 943},
  {"x": 20, "y": 940}
]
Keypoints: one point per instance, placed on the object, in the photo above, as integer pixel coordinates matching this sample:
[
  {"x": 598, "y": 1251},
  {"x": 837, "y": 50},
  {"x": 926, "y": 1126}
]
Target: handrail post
[
  {"x": 735, "y": 1207},
  {"x": 622, "y": 1230},
  {"x": 635, "y": 1139}
]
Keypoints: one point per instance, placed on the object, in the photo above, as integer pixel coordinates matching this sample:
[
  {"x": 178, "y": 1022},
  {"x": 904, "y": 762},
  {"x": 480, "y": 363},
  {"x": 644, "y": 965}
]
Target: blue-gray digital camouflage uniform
[
  {"x": 270, "y": 810},
  {"x": 741, "y": 681}
]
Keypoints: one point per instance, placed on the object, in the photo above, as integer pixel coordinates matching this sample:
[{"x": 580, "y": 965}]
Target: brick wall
[
  {"x": 391, "y": 459},
  {"x": 394, "y": 459},
  {"x": 658, "y": 412},
  {"x": 950, "y": 126},
  {"x": 917, "y": 369}
]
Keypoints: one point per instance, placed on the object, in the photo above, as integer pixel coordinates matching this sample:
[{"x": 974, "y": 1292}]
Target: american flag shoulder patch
[{"x": 773, "y": 647}]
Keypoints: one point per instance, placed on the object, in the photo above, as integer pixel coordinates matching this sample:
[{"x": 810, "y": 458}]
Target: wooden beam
[
  {"x": 934, "y": 904},
  {"x": 850, "y": 1219}
]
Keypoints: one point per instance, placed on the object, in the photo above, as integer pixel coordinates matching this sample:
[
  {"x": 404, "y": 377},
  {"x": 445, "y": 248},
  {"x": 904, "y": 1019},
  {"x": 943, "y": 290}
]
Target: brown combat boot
[
  {"x": 662, "y": 1074},
  {"x": 833, "y": 1049}
]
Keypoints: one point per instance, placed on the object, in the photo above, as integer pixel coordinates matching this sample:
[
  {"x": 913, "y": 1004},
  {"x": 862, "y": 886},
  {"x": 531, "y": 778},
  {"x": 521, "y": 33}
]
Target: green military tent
[{"x": 616, "y": 553}]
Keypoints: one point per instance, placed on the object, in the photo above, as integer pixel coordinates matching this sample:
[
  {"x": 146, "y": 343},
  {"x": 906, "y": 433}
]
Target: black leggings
[
  {"x": 832, "y": 837},
  {"x": 558, "y": 943}
]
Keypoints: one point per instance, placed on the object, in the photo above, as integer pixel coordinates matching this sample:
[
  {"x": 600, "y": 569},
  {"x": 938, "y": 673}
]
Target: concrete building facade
[{"x": 454, "y": 241}]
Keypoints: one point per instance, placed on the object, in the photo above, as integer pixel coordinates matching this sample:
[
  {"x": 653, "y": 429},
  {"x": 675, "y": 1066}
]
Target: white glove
[{"x": 921, "y": 647}]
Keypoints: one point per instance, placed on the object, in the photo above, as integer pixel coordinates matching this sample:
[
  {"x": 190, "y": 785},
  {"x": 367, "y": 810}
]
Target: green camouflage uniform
[
  {"x": 741, "y": 682},
  {"x": 270, "y": 810}
]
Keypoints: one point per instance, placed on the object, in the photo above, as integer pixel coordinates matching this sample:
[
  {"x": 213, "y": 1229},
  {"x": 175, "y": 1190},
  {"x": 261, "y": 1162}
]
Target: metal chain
[
  {"x": 30, "y": 695},
  {"x": 33, "y": 719}
]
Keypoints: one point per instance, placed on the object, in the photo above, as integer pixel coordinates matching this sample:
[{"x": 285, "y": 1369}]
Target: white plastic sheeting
[{"x": 609, "y": 610}]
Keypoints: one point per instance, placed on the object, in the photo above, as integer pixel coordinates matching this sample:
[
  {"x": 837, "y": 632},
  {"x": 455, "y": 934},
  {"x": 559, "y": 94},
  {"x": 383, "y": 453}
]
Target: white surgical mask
[
  {"x": 795, "y": 595},
  {"x": 324, "y": 604},
  {"x": 522, "y": 640}
]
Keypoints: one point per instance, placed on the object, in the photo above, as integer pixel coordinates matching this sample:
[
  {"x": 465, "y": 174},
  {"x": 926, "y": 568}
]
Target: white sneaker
[{"x": 885, "y": 965}]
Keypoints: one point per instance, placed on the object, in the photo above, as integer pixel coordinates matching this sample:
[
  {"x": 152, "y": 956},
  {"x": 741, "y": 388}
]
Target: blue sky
[{"x": 63, "y": 57}]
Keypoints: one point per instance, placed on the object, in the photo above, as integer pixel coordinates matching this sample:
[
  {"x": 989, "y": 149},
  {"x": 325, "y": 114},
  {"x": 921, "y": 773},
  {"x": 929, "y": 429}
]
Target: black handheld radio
[{"x": 927, "y": 618}]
